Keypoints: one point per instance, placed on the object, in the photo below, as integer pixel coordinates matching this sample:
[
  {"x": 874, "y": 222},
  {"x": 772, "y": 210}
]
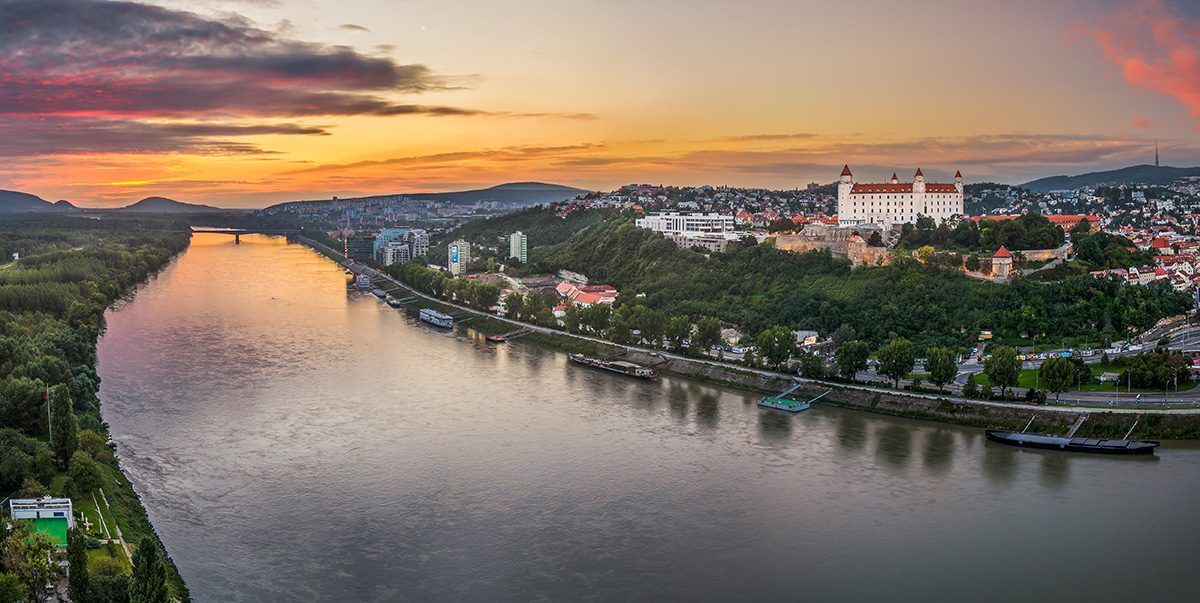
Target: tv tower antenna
[{"x": 1156, "y": 153}]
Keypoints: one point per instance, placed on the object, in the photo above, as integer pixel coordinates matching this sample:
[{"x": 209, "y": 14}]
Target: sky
[{"x": 243, "y": 103}]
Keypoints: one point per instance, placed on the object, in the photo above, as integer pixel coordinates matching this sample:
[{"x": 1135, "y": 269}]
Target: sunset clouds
[
  {"x": 243, "y": 103},
  {"x": 1155, "y": 49},
  {"x": 84, "y": 76}
]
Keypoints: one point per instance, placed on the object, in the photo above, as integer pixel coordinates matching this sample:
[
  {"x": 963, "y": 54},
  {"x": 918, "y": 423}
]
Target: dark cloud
[
  {"x": 65, "y": 135},
  {"x": 129, "y": 59}
]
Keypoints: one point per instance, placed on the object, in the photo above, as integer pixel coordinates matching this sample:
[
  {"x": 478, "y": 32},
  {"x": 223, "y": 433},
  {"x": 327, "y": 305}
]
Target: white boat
[
  {"x": 437, "y": 319},
  {"x": 363, "y": 281}
]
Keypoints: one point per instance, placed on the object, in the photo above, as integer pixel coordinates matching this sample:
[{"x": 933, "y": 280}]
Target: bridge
[{"x": 238, "y": 232}]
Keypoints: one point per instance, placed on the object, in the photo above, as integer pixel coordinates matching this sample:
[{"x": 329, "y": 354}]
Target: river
[{"x": 292, "y": 441}]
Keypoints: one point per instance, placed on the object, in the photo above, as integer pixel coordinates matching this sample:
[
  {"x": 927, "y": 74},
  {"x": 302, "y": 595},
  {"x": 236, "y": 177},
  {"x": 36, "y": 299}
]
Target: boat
[
  {"x": 1069, "y": 444},
  {"x": 617, "y": 366},
  {"x": 363, "y": 281},
  {"x": 437, "y": 319},
  {"x": 380, "y": 293},
  {"x": 497, "y": 338},
  {"x": 393, "y": 302}
]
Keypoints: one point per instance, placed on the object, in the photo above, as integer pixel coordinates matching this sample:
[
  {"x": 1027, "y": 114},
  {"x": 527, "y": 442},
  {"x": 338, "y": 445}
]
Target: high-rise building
[
  {"x": 687, "y": 222},
  {"x": 360, "y": 247},
  {"x": 396, "y": 252},
  {"x": 518, "y": 246},
  {"x": 458, "y": 257},
  {"x": 895, "y": 202}
]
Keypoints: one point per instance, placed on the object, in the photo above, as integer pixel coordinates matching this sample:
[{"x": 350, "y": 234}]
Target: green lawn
[{"x": 1029, "y": 378}]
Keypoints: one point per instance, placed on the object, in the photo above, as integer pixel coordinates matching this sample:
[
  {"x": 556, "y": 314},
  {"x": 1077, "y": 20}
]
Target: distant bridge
[{"x": 238, "y": 232}]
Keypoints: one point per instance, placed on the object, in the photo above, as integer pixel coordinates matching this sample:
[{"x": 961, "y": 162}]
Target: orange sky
[{"x": 244, "y": 103}]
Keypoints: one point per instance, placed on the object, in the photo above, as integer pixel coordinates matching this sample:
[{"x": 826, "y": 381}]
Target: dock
[
  {"x": 503, "y": 337},
  {"x": 781, "y": 401}
]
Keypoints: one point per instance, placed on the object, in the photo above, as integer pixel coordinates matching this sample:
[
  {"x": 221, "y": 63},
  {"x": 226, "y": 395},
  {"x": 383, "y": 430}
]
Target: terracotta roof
[
  {"x": 846, "y": 171},
  {"x": 919, "y": 173},
  {"x": 864, "y": 188},
  {"x": 1002, "y": 253},
  {"x": 1159, "y": 243}
]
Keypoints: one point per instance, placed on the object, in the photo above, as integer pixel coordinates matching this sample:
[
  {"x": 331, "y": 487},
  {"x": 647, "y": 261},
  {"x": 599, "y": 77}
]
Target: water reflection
[
  {"x": 350, "y": 452},
  {"x": 939, "y": 452},
  {"x": 893, "y": 445}
]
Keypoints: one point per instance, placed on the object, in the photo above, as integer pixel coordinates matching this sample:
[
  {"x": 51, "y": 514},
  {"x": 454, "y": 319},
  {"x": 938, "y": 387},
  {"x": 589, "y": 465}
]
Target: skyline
[{"x": 247, "y": 103}]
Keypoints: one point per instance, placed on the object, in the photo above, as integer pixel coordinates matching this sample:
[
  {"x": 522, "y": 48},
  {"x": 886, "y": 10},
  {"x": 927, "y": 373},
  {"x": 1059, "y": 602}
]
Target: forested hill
[
  {"x": 541, "y": 224},
  {"x": 1137, "y": 174},
  {"x": 52, "y": 304},
  {"x": 756, "y": 286}
]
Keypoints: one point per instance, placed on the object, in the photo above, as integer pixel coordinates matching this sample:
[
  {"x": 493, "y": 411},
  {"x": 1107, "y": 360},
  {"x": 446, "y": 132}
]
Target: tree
[
  {"x": 678, "y": 329},
  {"x": 597, "y": 316},
  {"x": 26, "y": 554},
  {"x": 924, "y": 253},
  {"x": 812, "y": 366},
  {"x": 939, "y": 363},
  {"x": 31, "y": 488},
  {"x": 1057, "y": 375},
  {"x": 515, "y": 304},
  {"x": 776, "y": 345},
  {"x": 63, "y": 424},
  {"x": 972, "y": 263},
  {"x": 1003, "y": 369},
  {"x": 12, "y": 589},
  {"x": 77, "y": 558},
  {"x": 708, "y": 334},
  {"x": 84, "y": 472},
  {"x": 149, "y": 581},
  {"x": 620, "y": 326},
  {"x": 651, "y": 323},
  {"x": 110, "y": 589},
  {"x": 852, "y": 358},
  {"x": 843, "y": 334},
  {"x": 970, "y": 388},
  {"x": 875, "y": 240},
  {"x": 571, "y": 319},
  {"x": 896, "y": 359}
]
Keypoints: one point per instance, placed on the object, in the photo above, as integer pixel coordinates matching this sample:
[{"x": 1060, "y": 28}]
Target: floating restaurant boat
[
  {"x": 1070, "y": 443},
  {"x": 1049, "y": 442},
  {"x": 363, "y": 281},
  {"x": 616, "y": 366},
  {"x": 437, "y": 319}
]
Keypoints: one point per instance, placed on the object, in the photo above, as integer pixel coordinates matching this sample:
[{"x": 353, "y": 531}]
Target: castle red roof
[
  {"x": 957, "y": 174},
  {"x": 865, "y": 188},
  {"x": 1002, "y": 253},
  {"x": 919, "y": 172},
  {"x": 846, "y": 171}
]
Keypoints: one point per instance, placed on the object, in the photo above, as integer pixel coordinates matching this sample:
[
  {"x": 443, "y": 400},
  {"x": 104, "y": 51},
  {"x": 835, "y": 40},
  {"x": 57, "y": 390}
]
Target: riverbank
[{"x": 1182, "y": 424}]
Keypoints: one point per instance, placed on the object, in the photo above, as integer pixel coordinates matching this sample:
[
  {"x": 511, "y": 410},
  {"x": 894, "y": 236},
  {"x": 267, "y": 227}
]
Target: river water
[{"x": 292, "y": 441}]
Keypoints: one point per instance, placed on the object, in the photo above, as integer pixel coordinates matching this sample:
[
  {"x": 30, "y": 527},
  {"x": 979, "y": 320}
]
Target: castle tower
[
  {"x": 845, "y": 184},
  {"x": 958, "y": 183},
  {"x": 895, "y": 180},
  {"x": 919, "y": 182}
]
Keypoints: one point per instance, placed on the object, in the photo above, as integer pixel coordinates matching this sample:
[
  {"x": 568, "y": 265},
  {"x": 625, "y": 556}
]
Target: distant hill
[
  {"x": 164, "y": 205},
  {"x": 63, "y": 204},
  {"x": 1137, "y": 174},
  {"x": 11, "y": 201},
  {"x": 524, "y": 193}
]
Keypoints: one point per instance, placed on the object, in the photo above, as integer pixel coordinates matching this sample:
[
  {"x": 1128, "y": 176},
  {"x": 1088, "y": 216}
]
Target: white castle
[{"x": 895, "y": 203}]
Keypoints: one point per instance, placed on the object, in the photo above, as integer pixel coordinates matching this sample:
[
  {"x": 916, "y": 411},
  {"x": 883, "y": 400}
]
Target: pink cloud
[
  {"x": 1155, "y": 48},
  {"x": 1143, "y": 123}
]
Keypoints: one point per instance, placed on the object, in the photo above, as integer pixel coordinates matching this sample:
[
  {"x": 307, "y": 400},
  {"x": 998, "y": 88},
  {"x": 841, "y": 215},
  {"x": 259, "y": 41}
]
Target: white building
[
  {"x": 42, "y": 508},
  {"x": 518, "y": 246},
  {"x": 895, "y": 202},
  {"x": 680, "y": 222},
  {"x": 395, "y": 252},
  {"x": 458, "y": 257}
]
